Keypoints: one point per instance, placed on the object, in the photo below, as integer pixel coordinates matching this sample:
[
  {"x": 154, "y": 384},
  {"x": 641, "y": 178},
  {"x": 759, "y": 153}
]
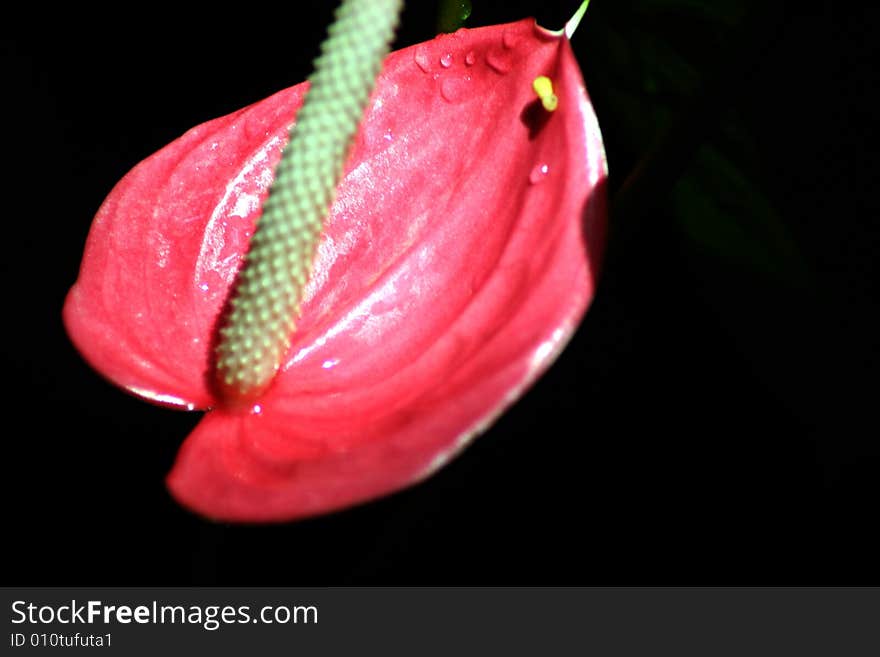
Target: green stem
[
  {"x": 575, "y": 20},
  {"x": 256, "y": 334}
]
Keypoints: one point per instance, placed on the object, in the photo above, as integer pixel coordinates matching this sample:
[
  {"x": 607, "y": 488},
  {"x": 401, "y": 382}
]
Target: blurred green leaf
[
  {"x": 663, "y": 91},
  {"x": 452, "y": 14},
  {"x": 665, "y": 71},
  {"x": 723, "y": 212},
  {"x": 642, "y": 81}
]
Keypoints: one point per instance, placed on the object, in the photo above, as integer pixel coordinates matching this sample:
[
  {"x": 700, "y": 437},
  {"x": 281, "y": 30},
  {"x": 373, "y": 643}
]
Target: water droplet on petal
[
  {"x": 454, "y": 89},
  {"x": 256, "y": 409},
  {"x": 203, "y": 287},
  {"x": 500, "y": 61},
  {"x": 421, "y": 58},
  {"x": 446, "y": 60},
  {"x": 470, "y": 58},
  {"x": 538, "y": 173},
  {"x": 388, "y": 136}
]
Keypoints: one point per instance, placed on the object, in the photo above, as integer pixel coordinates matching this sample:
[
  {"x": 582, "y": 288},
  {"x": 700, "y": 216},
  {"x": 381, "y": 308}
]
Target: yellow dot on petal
[{"x": 543, "y": 87}]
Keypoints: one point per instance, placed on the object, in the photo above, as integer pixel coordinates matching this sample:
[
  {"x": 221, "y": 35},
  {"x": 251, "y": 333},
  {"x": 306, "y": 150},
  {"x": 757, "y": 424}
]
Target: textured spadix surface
[{"x": 456, "y": 262}]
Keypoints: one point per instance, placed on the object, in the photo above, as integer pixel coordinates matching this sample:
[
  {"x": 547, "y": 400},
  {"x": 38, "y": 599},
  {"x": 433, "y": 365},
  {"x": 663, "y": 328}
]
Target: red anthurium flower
[{"x": 457, "y": 260}]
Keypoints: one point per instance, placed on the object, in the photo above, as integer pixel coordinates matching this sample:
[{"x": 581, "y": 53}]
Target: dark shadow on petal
[
  {"x": 594, "y": 227},
  {"x": 534, "y": 117},
  {"x": 220, "y": 322}
]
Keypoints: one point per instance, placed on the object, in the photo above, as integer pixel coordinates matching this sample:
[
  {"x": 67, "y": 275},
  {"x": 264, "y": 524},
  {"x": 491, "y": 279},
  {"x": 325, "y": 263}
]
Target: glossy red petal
[
  {"x": 164, "y": 249},
  {"x": 456, "y": 263}
]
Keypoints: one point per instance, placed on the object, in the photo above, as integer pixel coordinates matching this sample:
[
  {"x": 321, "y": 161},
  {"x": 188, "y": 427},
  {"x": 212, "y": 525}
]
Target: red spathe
[{"x": 456, "y": 262}]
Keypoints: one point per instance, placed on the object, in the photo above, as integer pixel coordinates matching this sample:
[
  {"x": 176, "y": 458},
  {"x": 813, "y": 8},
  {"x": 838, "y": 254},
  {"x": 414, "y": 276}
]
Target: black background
[{"x": 710, "y": 423}]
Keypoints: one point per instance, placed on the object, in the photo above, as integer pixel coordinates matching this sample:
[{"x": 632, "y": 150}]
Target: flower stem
[
  {"x": 575, "y": 20},
  {"x": 264, "y": 305}
]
